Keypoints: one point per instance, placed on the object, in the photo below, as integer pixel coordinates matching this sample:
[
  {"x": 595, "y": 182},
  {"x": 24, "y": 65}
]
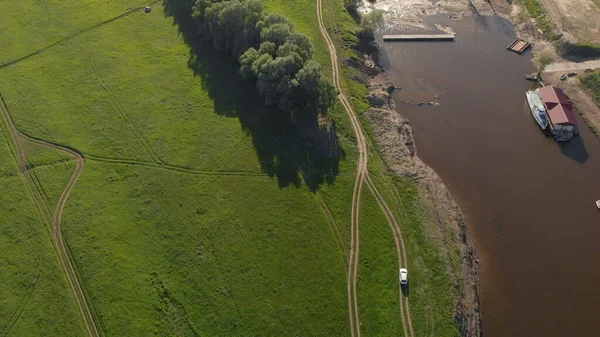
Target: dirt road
[
  {"x": 358, "y": 183},
  {"x": 362, "y": 176},
  {"x": 572, "y": 66},
  {"x": 54, "y": 220}
]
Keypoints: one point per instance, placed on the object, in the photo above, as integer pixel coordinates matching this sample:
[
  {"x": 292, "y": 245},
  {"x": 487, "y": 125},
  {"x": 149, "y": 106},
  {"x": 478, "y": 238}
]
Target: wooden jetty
[
  {"x": 519, "y": 46},
  {"x": 419, "y": 37}
]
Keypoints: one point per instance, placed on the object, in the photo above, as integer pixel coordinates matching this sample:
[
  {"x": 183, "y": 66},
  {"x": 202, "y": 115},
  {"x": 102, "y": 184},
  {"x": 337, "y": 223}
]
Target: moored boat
[
  {"x": 559, "y": 110},
  {"x": 534, "y": 100}
]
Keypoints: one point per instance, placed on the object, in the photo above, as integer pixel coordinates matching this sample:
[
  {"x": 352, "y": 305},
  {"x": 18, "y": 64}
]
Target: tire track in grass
[
  {"x": 127, "y": 161},
  {"x": 227, "y": 153},
  {"x": 355, "y": 248},
  {"x": 334, "y": 229},
  {"x": 402, "y": 259},
  {"x": 23, "y": 304},
  {"x": 45, "y": 9},
  {"x": 121, "y": 110},
  {"x": 38, "y": 185},
  {"x": 74, "y": 35},
  {"x": 174, "y": 167},
  {"x": 82, "y": 6},
  {"x": 404, "y": 217},
  {"x": 32, "y": 167},
  {"x": 357, "y": 192},
  {"x": 363, "y": 176},
  {"x": 54, "y": 220},
  {"x": 31, "y": 125}
]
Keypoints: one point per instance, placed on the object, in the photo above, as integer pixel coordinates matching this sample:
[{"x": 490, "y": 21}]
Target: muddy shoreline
[{"x": 394, "y": 138}]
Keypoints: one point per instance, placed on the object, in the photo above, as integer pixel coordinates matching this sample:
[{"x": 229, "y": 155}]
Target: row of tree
[{"x": 270, "y": 52}]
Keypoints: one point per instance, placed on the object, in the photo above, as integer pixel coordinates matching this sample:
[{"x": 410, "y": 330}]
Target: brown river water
[{"x": 529, "y": 201}]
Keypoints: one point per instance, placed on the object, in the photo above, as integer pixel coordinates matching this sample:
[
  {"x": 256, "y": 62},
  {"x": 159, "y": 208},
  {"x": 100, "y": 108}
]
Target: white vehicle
[
  {"x": 403, "y": 276},
  {"x": 598, "y": 204}
]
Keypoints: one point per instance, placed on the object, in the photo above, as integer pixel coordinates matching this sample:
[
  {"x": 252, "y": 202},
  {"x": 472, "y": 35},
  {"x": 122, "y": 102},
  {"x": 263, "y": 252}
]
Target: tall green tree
[{"x": 269, "y": 51}]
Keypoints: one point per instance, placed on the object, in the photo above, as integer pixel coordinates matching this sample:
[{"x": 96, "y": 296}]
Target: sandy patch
[
  {"x": 579, "y": 20},
  {"x": 412, "y": 11}
]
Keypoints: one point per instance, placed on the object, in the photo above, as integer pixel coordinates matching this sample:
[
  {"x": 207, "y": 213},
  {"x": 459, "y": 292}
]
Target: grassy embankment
[
  {"x": 433, "y": 261},
  {"x": 238, "y": 246},
  {"x": 592, "y": 83},
  {"x": 536, "y": 11},
  {"x": 431, "y": 258}
]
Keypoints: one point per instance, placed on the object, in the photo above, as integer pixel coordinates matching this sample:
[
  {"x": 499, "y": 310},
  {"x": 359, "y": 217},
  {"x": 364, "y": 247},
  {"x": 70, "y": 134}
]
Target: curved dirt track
[
  {"x": 362, "y": 175},
  {"x": 53, "y": 220},
  {"x": 358, "y": 183}
]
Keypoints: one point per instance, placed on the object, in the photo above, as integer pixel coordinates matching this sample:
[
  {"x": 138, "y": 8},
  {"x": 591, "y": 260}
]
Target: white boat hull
[{"x": 538, "y": 111}]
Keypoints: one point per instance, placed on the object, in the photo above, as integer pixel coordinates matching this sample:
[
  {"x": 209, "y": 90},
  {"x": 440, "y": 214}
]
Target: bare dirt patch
[
  {"x": 579, "y": 20},
  {"x": 411, "y": 12}
]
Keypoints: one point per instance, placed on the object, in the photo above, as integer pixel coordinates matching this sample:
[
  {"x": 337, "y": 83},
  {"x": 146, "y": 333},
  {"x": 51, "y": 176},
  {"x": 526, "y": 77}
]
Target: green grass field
[
  {"x": 50, "y": 169},
  {"x": 592, "y": 83},
  {"x": 35, "y": 299},
  {"x": 430, "y": 256},
  {"x": 378, "y": 283},
  {"x": 236, "y": 246}
]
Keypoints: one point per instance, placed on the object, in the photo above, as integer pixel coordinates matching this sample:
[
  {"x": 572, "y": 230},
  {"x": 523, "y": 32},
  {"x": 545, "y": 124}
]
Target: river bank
[
  {"x": 395, "y": 141},
  {"x": 527, "y": 201},
  {"x": 394, "y": 137}
]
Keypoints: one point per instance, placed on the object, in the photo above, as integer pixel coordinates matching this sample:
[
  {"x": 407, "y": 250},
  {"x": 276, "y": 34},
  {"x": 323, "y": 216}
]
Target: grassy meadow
[
  {"x": 592, "y": 83},
  {"x": 378, "y": 298},
  {"x": 34, "y": 296},
  {"x": 198, "y": 212}
]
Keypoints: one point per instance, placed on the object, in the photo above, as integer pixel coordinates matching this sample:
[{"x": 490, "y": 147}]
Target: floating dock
[
  {"x": 419, "y": 37},
  {"x": 518, "y": 46}
]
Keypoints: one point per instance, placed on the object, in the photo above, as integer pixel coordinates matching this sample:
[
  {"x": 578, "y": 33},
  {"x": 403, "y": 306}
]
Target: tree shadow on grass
[{"x": 291, "y": 151}]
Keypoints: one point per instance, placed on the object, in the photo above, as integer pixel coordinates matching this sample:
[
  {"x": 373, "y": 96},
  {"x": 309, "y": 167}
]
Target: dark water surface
[{"x": 530, "y": 202}]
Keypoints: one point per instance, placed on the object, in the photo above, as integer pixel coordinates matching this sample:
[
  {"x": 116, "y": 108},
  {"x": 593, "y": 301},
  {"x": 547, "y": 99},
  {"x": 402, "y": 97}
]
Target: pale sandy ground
[
  {"x": 412, "y": 11},
  {"x": 579, "y": 20}
]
